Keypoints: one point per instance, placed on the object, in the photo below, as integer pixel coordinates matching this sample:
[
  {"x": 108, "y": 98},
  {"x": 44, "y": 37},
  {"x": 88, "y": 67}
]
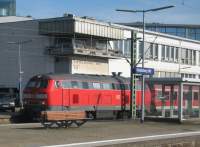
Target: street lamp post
[
  {"x": 20, "y": 43},
  {"x": 142, "y": 57}
]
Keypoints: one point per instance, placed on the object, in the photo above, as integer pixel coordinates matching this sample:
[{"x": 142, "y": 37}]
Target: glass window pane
[
  {"x": 172, "y": 53},
  {"x": 66, "y": 84},
  {"x": 194, "y": 57},
  {"x": 156, "y": 51},
  {"x": 107, "y": 86},
  {"x": 180, "y": 30},
  {"x": 198, "y": 31},
  {"x": 161, "y": 29},
  {"x": 198, "y": 36},
  {"x": 97, "y": 85},
  {"x": 85, "y": 85},
  {"x": 176, "y": 54},
  {"x": 171, "y": 30},
  {"x": 74, "y": 84},
  {"x": 163, "y": 52},
  {"x": 167, "y": 52},
  {"x": 140, "y": 49},
  {"x": 151, "y": 51}
]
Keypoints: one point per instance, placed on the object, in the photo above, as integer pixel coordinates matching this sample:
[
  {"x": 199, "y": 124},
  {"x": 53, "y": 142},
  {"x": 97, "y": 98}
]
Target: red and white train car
[{"x": 91, "y": 93}]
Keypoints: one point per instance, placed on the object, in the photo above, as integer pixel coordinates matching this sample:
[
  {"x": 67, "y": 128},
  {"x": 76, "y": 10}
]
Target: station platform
[{"x": 109, "y": 133}]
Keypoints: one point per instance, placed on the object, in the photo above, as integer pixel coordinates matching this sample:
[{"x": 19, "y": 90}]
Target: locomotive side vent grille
[{"x": 75, "y": 99}]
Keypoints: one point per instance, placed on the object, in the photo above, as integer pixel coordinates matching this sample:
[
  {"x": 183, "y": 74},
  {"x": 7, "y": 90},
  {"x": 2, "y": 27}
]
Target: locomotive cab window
[
  {"x": 42, "y": 83},
  {"x": 31, "y": 84}
]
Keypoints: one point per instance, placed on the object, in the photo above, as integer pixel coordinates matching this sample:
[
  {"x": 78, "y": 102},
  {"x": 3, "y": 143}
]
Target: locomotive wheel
[
  {"x": 79, "y": 122},
  {"x": 47, "y": 124},
  {"x": 59, "y": 124},
  {"x": 67, "y": 123},
  {"x": 91, "y": 115}
]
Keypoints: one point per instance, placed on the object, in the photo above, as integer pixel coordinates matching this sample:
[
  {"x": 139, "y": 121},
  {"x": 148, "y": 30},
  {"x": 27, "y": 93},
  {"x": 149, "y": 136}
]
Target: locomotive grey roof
[{"x": 86, "y": 77}]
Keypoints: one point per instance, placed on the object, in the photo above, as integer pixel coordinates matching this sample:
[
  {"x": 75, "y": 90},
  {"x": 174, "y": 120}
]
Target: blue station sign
[{"x": 143, "y": 71}]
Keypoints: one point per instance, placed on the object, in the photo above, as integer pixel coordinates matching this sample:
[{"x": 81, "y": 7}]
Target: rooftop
[{"x": 6, "y": 19}]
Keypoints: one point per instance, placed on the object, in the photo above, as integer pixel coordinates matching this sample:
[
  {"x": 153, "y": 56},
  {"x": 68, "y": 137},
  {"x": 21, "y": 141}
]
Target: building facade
[
  {"x": 170, "y": 56},
  {"x": 73, "y": 44},
  {"x": 182, "y": 30},
  {"x": 8, "y": 8}
]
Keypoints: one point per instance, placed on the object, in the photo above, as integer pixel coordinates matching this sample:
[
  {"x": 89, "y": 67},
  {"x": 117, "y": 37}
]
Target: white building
[
  {"x": 73, "y": 44},
  {"x": 169, "y": 55}
]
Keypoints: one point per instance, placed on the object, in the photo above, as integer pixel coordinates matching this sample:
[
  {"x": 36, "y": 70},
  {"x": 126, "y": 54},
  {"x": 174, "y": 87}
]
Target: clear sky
[{"x": 186, "y": 11}]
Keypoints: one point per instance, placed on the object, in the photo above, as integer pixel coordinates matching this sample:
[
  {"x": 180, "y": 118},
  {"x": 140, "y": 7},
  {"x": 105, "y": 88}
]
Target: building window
[
  {"x": 176, "y": 54},
  {"x": 192, "y": 33},
  {"x": 190, "y": 57},
  {"x": 127, "y": 48},
  {"x": 183, "y": 56},
  {"x": 147, "y": 48},
  {"x": 181, "y": 32},
  {"x": 161, "y": 29},
  {"x": 199, "y": 58},
  {"x": 172, "y": 54},
  {"x": 151, "y": 51},
  {"x": 140, "y": 49},
  {"x": 163, "y": 52},
  {"x": 194, "y": 57},
  {"x": 156, "y": 51},
  {"x": 167, "y": 52},
  {"x": 171, "y": 30}
]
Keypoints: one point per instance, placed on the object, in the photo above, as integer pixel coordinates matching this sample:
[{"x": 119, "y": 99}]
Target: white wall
[{"x": 120, "y": 65}]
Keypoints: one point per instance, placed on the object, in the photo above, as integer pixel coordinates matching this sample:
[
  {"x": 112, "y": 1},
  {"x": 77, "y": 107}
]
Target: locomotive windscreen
[{"x": 37, "y": 83}]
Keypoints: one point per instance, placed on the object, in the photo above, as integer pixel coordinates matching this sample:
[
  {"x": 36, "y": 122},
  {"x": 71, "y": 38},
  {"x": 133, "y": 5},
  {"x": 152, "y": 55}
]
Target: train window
[
  {"x": 127, "y": 86},
  {"x": 90, "y": 85},
  {"x": 85, "y": 85},
  {"x": 31, "y": 84},
  {"x": 166, "y": 95},
  {"x": 75, "y": 84},
  {"x": 107, "y": 86},
  {"x": 159, "y": 95},
  {"x": 42, "y": 83},
  {"x": 122, "y": 86},
  {"x": 174, "y": 96},
  {"x": 66, "y": 84},
  {"x": 196, "y": 95},
  {"x": 97, "y": 85},
  {"x": 117, "y": 86},
  {"x": 113, "y": 86}
]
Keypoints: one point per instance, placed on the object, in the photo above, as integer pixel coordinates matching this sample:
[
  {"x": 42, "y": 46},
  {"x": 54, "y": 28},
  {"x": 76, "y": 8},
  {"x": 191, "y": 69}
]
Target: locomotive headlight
[{"x": 41, "y": 96}]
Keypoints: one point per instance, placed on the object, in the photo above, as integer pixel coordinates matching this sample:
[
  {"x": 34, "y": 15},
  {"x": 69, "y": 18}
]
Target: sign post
[{"x": 143, "y": 71}]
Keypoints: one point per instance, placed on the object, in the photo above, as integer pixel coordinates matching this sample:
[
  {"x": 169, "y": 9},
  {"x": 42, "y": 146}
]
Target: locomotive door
[{"x": 65, "y": 99}]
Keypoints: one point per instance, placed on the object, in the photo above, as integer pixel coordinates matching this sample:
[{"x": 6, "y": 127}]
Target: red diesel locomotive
[{"x": 90, "y": 93}]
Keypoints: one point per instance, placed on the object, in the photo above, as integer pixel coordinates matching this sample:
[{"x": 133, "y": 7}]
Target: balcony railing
[{"x": 84, "y": 48}]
